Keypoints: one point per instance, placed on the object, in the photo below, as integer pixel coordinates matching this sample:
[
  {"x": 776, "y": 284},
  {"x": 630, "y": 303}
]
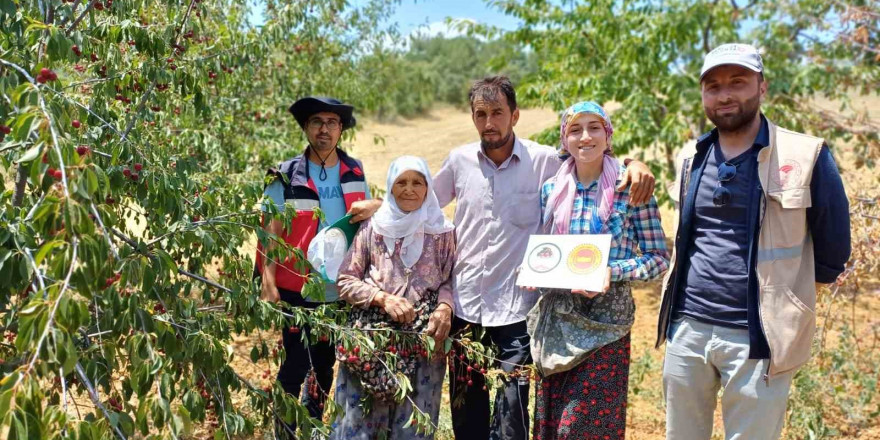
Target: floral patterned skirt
[
  {"x": 587, "y": 402},
  {"x": 388, "y": 420}
]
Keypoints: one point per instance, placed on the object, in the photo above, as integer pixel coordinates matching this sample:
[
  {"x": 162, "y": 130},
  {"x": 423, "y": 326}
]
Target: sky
[{"x": 428, "y": 17}]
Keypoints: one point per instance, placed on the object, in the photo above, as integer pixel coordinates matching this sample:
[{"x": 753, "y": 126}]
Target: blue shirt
[
  {"x": 329, "y": 199},
  {"x": 716, "y": 271}
]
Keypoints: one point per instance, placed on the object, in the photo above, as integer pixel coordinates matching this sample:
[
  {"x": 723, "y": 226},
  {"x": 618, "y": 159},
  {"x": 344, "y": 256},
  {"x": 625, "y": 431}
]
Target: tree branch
[
  {"x": 93, "y": 394},
  {"x": 81, "y": 16}
]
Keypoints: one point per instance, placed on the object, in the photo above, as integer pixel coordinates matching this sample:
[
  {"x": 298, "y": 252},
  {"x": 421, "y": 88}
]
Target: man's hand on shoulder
[
  {"x": 363, "y": 209},
  {"x": 641, "y": 182}
]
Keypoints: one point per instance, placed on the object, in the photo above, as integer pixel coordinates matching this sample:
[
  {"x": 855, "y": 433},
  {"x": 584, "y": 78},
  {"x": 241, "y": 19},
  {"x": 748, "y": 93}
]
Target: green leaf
[
  {"x": 46, "y": 248},
  {"x": 31, "y": 154}
]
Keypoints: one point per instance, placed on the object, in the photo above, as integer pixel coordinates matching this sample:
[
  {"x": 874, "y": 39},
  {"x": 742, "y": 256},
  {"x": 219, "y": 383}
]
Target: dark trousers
[
  {"x": 470, "y": 403},
  {"x": 300, "y": 357}
]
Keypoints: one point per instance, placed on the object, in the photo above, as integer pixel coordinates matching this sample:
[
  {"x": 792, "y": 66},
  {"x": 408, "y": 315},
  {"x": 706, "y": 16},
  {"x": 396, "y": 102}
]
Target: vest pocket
[
  {"x": 794, "y": 198},
  {"x": 789, "y": 325},
  {"x": 785, "y": 222}
]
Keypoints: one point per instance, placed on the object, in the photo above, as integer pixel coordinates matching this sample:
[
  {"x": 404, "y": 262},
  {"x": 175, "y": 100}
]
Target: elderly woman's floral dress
[{"x": 369, "y": 268}]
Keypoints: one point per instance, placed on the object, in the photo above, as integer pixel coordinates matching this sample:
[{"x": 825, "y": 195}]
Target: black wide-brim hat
[{"x": 304, "y": 108}]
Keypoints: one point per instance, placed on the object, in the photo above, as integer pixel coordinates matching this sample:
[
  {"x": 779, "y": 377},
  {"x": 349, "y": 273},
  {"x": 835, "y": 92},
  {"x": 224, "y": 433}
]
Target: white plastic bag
[{"x": 326, "y": 252}]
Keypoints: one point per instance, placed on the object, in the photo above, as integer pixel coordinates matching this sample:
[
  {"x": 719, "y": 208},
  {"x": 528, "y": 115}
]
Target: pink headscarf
[{"x": 561, "y": 199}]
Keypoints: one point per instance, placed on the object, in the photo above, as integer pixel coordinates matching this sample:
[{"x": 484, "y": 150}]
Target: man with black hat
[{"x": 323, "y": 177}]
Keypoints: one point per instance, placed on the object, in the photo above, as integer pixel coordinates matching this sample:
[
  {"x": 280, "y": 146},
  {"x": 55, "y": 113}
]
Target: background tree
[
  {"x": 134, "y": 139},
  {"x": 646, "y": 57}
]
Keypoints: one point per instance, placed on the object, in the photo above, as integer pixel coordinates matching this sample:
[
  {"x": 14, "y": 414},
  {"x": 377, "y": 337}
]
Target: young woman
[
  {"x": 584, "y": 389},
  {"x": 396, "y": 275}
]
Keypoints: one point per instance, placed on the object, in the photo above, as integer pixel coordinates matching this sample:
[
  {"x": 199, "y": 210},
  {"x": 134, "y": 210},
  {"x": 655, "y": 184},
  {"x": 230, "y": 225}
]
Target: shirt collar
[
  {"x": 761, "y": 140},
  {"x": 517, "y": 152}
]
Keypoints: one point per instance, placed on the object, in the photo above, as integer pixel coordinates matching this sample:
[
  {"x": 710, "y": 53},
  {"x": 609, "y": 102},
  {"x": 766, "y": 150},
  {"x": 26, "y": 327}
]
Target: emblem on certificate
[{"x": 565, "y": 262}]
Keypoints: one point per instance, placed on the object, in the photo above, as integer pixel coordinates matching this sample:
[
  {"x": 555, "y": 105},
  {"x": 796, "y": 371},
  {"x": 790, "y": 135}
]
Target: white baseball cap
[{"x": 744, "y": 55}]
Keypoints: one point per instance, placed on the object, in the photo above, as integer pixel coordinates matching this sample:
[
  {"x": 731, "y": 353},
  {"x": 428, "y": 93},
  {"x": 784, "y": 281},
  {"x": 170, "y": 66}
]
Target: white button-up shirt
[{"x": 497, "y": 209}]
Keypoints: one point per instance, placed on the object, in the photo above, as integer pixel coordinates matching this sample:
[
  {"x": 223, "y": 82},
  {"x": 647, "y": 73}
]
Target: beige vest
[{"x": 785, "y": 264}]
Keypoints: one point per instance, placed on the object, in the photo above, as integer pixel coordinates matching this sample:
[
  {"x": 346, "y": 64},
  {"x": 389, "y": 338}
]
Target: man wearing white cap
[{"x": 763, "y": 218}]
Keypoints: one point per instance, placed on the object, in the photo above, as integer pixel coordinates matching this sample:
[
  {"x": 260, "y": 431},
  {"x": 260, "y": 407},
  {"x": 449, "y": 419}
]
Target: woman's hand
[
  {"x": 589, "y": 294},
  {"x": 440, "y": 322},
  {"x": 398, "y": 308}
]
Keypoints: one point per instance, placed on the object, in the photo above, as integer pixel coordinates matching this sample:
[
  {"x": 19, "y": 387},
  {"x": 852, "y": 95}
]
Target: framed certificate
[{"x": 565, "y": 262}]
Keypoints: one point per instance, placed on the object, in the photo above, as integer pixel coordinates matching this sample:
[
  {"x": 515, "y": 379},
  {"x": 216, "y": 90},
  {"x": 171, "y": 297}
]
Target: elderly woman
[
  {"x": 396, "y": 275},
  {"x": 584, "y": 389}
]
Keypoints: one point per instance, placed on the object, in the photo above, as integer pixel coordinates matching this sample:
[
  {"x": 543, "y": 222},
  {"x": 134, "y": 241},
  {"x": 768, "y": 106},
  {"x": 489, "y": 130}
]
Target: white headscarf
[{"x": 393, "y": 224}]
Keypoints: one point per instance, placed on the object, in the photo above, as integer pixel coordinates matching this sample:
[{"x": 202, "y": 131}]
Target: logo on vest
[
  {"x": 584, "y": 259},
  {"x": 789, "y": 174}
]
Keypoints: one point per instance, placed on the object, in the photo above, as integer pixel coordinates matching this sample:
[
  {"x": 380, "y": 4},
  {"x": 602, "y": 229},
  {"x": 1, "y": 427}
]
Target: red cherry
[
  {"x": 134, "y": 176},
  {"x": 196, "y": 218},
  {"x": 76, "y": 123},
  {"x": 131, "y": 43},
  {"x": 51, "y": 172},
  {"x": 41, "y": 79},
  {"x": 392, "y": 349},
  {"x": 138, "y": 166},
  {"x": 352, "y": 359},
  {"x": 45, "y": 158},
  {"x": 126, "y": 172},
  {"x": 82, "y": 150},
  {"x": 356, "y": 350},
  {"x": 469, "y": 369},
  {"x": 5, "y": 129},
  {"x": 93, "y": 57},
  {"x": 470, "y": 382},
  {"x": 341, "y": 349},
  {"x": 45, "y": 72},
  {"x": 367, "y": 367},
  {"x": 293, "y": 329},
  {"x": 99, "y": 6}
]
